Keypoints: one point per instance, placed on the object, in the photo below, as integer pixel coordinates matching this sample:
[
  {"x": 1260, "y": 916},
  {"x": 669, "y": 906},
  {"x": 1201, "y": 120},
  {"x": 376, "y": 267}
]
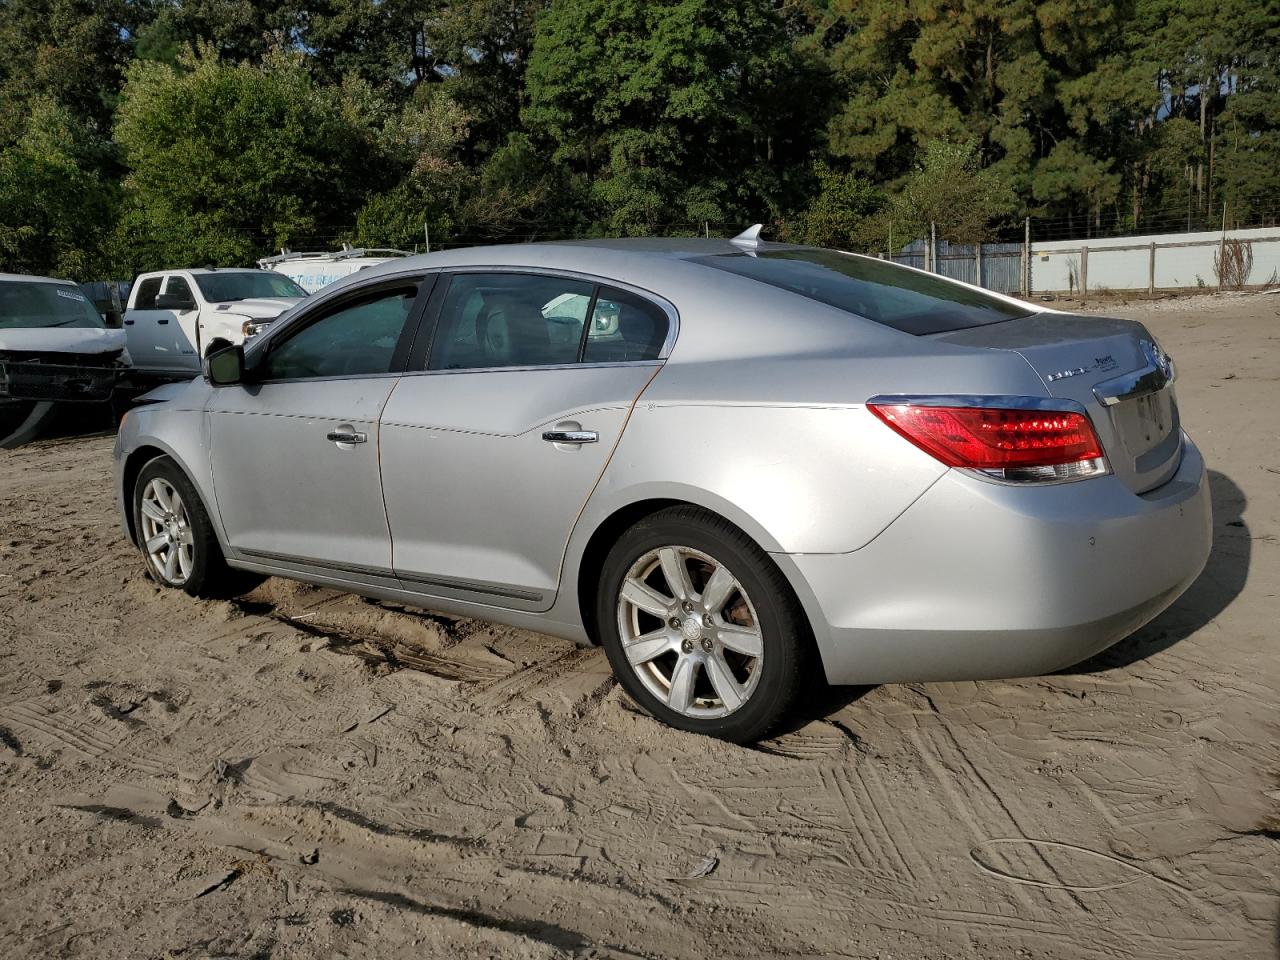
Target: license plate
[{"x": 1154, "y": 417}]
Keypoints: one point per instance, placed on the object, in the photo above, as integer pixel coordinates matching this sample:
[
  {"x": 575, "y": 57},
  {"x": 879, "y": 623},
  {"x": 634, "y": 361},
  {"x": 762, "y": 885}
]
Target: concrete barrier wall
[{"x": 1124, "y": 263}]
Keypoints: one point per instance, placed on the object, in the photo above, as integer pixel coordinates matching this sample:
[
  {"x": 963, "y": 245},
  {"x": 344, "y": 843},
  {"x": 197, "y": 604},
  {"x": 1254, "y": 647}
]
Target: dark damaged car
[{"x": 54, "y": 349}]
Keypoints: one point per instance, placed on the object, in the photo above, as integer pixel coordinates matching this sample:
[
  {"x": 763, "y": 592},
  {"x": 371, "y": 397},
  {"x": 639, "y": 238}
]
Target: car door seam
[
  {"x": 382, "y": 487},
  {"x": 564, "y": 552}
]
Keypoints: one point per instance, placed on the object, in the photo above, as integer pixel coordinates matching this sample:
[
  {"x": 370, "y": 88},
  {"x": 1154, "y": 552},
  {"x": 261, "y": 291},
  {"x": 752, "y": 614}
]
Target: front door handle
[
  {"x": 163, "y": 321},
  {"x": 346, "y": 436},
  {"x": 570, "y": 436}
]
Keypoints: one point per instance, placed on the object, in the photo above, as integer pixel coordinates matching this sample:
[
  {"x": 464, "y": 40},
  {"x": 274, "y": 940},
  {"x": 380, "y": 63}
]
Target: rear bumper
[{"x": 979, "y": 581}]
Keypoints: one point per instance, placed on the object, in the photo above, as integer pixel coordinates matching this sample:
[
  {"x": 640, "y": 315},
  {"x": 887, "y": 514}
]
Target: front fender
[
  {"x": 173, "y": 429},
  {"x": 222, "y": 326}
]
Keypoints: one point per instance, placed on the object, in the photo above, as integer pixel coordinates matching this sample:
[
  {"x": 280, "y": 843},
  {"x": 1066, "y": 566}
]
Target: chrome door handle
[
  {"x": 338, "y": 436},
  {"x": 570, "y": 436}
]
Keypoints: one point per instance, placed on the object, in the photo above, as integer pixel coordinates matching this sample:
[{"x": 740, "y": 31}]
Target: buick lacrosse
[{"x": 732, "y": 463}]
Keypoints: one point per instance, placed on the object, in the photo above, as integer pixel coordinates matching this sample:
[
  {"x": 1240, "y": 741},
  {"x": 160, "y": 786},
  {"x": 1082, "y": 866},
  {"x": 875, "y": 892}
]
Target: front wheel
[
  {"x": 174, "y": 532},
  {"x": 700, "y": 626}
]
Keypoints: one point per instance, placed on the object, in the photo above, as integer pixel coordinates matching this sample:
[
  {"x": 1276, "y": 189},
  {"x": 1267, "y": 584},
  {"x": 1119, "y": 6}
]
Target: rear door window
[
  {"x": 624, "y": 327},
  {"x": 493, "y": 320},
  {"x": 886, "y": 293}
]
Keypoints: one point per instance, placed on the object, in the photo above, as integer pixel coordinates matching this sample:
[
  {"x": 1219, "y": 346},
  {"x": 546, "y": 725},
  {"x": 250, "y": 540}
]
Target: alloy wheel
[
  {"x": 690, "y": 632},
  {"x": 166, "y": 532}
]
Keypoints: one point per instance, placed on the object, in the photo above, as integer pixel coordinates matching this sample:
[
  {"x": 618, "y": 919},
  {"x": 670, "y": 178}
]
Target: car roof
[{"x": 30, "y": 279}]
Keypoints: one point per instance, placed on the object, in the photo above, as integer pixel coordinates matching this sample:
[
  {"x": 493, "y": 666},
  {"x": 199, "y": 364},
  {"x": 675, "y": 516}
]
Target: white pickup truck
[{"x": 176, "y": 317}]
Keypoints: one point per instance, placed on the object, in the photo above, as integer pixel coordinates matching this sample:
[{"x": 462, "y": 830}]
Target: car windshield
[
  {"x": 231, "y": 285},
  {"x": 907, "y": 300},
  {"x": 25, "y": 303}
]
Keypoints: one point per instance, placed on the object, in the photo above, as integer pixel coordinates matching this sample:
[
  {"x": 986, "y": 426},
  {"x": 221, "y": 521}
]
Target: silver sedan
[{"x": 736, "y": 465}]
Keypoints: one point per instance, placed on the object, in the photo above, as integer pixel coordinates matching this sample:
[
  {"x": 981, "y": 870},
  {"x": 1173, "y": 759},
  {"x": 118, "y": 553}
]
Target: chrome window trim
[
  {"x": 525, "y": 368},
  {"x": 298, "y": 314},
  {"x": 317, "y": 301},
  {"x": 667, "y": 307}
]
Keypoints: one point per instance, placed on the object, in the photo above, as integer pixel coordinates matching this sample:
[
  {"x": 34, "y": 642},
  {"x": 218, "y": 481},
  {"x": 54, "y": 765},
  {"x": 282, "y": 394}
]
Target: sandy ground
[{"x": 305, "y": 774}]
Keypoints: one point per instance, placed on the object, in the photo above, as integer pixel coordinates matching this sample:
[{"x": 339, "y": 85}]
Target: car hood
[
  {"x": 263, "y": 308},
  {"x": 63, "y": 339}
]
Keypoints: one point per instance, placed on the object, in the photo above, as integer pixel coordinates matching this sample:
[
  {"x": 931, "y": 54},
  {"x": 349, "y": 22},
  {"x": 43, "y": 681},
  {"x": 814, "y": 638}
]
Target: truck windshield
[
  {"x": 908, "y": 300},
  {"x": 231, "y": 285},
  {"x": 34, "y": 303}
]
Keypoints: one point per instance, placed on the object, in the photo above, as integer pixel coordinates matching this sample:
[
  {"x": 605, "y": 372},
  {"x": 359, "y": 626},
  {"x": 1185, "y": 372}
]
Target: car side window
[
  {"x": 178, "y": 287},
  {"x": 355, "y": 339},
  {"x": 624, "y": 327},
  {"x": 147, "y": 291},
  {"x": 509, "y": 320}
]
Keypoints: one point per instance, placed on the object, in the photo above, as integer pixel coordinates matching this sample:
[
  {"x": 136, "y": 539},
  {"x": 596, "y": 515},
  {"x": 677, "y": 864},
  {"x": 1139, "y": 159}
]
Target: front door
[
  {"x": 490, "y": 453},
  {"x": 295, "y": 453}
]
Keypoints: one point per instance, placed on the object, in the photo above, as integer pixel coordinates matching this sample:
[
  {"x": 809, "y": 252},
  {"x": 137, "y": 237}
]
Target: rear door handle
[
  {"x": 570, "y": 436},
  {"x": 346, "y": 436},
  {"x": 163, "y": 321}
]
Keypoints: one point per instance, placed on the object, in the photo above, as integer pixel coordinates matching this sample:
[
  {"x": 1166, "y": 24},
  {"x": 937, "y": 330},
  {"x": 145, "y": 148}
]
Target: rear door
[
  {"x": 295, "y": 454},
  {"x": 492, "y": 445}
]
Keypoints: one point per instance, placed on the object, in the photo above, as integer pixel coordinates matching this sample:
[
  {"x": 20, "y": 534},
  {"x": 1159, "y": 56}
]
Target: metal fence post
[
  {"x": 1026, "y": 259},
  {"x": 1151, "y": 270},
  {"x": 977, "y": 263},
  {"x": 1084, "y": 274},
  {"x": 933, "y": 247}
]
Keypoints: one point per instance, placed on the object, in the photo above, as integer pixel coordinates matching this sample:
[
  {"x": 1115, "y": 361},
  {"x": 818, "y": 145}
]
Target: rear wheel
[
  {"x": 700, "y": 626},
  {"x": 175, "y": 534}
]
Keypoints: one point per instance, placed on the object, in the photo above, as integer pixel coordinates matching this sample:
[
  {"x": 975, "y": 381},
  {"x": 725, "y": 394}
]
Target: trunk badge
[{"x": 1063, "y": 374}]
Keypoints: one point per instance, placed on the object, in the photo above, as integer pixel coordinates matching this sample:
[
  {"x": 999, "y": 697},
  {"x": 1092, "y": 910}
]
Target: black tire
[
  {"x": 209, "y": 576},
  {"x": 21, "y": 421},
  {"x": 787, "y": 661}
]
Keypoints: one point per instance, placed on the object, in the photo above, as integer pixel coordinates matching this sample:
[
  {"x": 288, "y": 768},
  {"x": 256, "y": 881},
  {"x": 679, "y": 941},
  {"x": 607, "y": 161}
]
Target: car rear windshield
[
  {"x": 906, "y": 300},
  {"x": 246, "y": 285},
  {"x": 33, "y": 304}
]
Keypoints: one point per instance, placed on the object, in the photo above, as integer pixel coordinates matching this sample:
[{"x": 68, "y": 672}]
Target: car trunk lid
[{"x": 1115, "y": 370}]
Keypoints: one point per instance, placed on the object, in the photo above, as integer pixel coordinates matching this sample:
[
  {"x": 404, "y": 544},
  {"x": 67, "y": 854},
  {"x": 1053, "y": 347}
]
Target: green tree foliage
[
  {"x": 670, "y": 112},
  {"x": 855, "y": 123},
  {"x": 69, "y": 52},
  {"x": 843, "y": 214},
  {"x": 55, "y": 207},
  {"x": 228, "y": 159},
  {"x": 951, "y": 190}
]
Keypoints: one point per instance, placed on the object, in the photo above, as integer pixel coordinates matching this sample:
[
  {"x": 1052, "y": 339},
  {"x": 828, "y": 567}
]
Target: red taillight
[{"x": 1009, "y": 443}]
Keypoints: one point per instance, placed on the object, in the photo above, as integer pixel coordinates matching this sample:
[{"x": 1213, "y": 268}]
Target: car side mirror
[
  {"x": 169, "y": 301},
  {"x": 224, "y": 368}
]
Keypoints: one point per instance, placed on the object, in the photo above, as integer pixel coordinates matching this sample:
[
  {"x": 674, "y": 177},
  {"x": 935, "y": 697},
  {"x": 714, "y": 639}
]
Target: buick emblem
[{"x": 1158, "y": 358}]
